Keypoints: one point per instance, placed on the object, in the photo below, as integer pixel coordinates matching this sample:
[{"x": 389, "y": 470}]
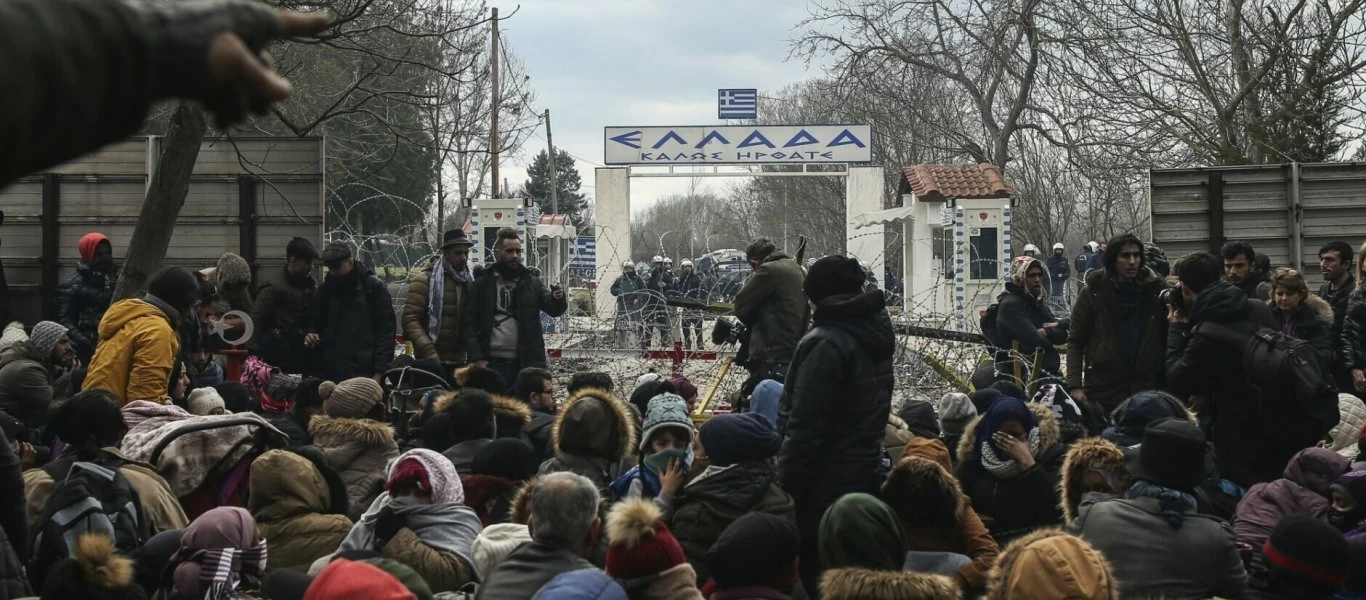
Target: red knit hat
[
  {"x": 409, "y": 470},
  {"x": 641, "y": 544},
  {"x": 351, "y": 579}
]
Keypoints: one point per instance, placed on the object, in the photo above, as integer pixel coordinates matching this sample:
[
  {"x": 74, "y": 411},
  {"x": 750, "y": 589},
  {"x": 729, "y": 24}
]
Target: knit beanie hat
[
  {"x": 738, "y": 437},
  {"x": 640, "y": 544},
  {"x": 666, "y": 410},
  {"x": 955, "y": 412},
  {"x": 95, "y": 571},
  {"x": 14, "y": 334},
  {"x": 203, "y": 400},
  {"x": 1305, "y": 551},
  {"x": 495, "y": 543},
  {"x": 44, "y": 337},
  {"x": 583, "y": 584},
  {"x": 756, "y": 549},
  {"x": 685, "y": 388},
  {"x": 920, "y": 417},
  {"x": 354, "y": 579},
  {"x": 981, "y": 400},
  {"x": 231, "y": 269},
  {"x": 433, "y": 473},
  {"x": 832, "y": 276},
  {"x": 350, "y": 399}
]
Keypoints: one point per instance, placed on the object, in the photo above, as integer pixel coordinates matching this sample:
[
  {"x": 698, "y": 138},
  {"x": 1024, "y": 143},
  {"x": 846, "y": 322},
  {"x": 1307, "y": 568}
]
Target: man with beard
[
  {"x": 1024, "y": 317},
  {"x": 436, "y": 303},
  {"x": 1240, "y": 269},
  {"x": 83, "y": 297},
  {"x": 355, "y": 322},
  {"x": 502, "y": 324},
  {"x": 30, "y": 370},
  {"x": 284, "y": 307}
]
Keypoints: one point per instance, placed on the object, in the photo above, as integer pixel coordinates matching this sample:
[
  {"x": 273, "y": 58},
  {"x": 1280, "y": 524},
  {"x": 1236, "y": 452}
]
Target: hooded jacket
[
  {"x": 866, "y": 584},
  {"x": 1019, "y": 316},
  {"x": 81, "y": 302},
  {"x": 1097, "y": 357},
  {"x": 1152, "y": 560},
  {"x": 834, "y": 409},
  {"x": 1304, "y": 489},
  {"x": 294, "y": 509},
  {"x": 1050, "y": 564},
  {"x": 531, "y": 298},
  {"x": 284, "y": 310},
  {"x": 1014, "y": 507},
  {"x": 925, "y": 463},
  {"x": 450, "y": 343},
  {"x": 137, "y": 351},
  {"x": 1313, "y": 323},
  {"x": 355, "y": 319},
  {"x": 773, "y": 306},
  {"x": 26, "y": 380},
  {"x": 592, "y": 435},
  {"x": 704, "y": 508},
  {"x": 360, "y": 450},
  {"x": 1199, "y": 365},
  {"x": 1087, "y": 455}
]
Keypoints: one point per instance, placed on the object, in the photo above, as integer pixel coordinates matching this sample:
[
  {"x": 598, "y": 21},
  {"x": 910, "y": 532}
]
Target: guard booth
[
  {"x": 553, "y": 238},
  {"x": 955, "y": 223},
  {"x": 490, "y": 215}
]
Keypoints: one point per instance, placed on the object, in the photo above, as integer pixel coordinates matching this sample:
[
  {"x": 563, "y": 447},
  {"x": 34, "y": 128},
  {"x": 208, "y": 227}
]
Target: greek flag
[{"x": 737, "y": 104}]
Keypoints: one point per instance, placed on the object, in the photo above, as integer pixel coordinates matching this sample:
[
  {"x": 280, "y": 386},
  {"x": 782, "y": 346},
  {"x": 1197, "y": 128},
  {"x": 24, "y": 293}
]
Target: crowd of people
[{"x": 1204, "y": 440}]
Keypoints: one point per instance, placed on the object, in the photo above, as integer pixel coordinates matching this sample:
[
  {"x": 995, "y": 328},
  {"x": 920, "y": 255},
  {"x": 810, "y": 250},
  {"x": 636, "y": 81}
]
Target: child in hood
[
  {"x": 665, "y": 453},
  {"x": 593, "y": 434}
]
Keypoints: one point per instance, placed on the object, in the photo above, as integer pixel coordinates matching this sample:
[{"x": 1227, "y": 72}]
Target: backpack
[
  {"x": 1296, "y": 403},
  {"x": 87, "y": 497},
  {"x": 987, "y": 324}
]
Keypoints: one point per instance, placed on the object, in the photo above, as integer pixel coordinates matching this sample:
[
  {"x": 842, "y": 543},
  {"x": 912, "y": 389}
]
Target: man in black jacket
[
  {"x": 284, "y": 307},
  {"x": 355, "y": 323},
  {"x": 834, "y": 409},
  {"x": 1212, "y": 373},
  {"x": 1335, "y": 260},
  {"x": 1023, "y": 316},
  {"x": 503, "y": 318},
  {"x": 536, "y": 387},
  {"x": 772, "y": 306},
  {"x": 1240, "y": 269},
  {"x": 1059, "y": 272}
]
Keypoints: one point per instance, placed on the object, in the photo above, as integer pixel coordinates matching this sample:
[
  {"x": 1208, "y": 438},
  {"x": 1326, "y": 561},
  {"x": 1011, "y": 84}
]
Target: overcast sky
[{"x": 596, "y": 63}]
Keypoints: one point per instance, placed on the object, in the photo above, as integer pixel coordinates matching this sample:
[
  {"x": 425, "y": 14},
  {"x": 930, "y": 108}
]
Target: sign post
[{"x": 758, "y": 144}]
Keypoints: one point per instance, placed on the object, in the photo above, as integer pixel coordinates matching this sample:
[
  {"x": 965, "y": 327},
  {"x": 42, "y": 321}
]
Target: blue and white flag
[{"x": 737, "y": 104}]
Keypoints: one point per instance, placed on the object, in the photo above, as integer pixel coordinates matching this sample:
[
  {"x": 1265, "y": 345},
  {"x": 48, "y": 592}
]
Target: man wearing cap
[
  {"x": 772, "y": 306},
  {"x": 83, "y": 297},
  {"x": 29, "y": 369},
  {"x": 435, "y": 308},
  {"x": 629, "y": 290},
  {"x": 1156, "y": 541},
  {"x": 354, "y": 322},
  {"x": 689, "y": 285},
  {"x": 283, "y": 312},
  {"x": 502, "y": 318}
]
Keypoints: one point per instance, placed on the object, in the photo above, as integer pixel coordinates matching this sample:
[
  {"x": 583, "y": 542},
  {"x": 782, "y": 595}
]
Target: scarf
[
  {"x": 257, "y": 376},
  {"x": 447, "y": 526},
  {"x": 163, "y": 306},
  {"x": 436, "y": 293},
  {"x": 1174, "y": 503},
  {"x": 1004, "y": 468},
  {"x": 221, "y": 570}
]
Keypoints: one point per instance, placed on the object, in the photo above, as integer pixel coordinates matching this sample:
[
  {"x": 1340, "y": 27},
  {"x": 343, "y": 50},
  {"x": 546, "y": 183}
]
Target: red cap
[{"x": 350, "y": 579}]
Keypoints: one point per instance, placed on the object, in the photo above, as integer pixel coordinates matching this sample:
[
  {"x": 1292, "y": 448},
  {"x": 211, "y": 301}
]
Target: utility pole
[
  {"x": 497, "y": 101},
  {"x": 553, "y": 164}
]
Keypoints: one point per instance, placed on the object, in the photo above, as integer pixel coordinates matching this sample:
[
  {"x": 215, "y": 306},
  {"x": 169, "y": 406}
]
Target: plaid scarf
[{"x": 222, "y": 569}]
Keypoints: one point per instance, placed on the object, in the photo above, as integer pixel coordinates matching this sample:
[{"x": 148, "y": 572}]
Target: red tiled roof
[
  {"x": 555, "y": 219},
  {"x": 938, "y": 183}
]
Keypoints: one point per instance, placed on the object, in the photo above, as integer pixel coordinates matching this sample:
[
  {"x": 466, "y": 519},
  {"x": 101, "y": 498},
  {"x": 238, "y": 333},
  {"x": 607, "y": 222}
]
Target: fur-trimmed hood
[
  {"x": 511, "y": 413},
  {"x": 1049, "y": 433},
  {"x": 594, "y": 423},
  {"x": 922, "y": 475},
  {"x": 865, "y": 584},
  {"x": 1049, "y": 564},
  {"x": 520, "y": 511},
  {"x": 343, "y": 440},
  {"x": 1321, "y": 308},
  {"x": 1086, "y": 454}
]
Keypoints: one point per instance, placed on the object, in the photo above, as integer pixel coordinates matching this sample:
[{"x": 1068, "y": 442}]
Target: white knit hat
[
  {"x": 14, "y": 334},
  {"x": 203, "y": 400},
  {"x": 495, "y": 544}
]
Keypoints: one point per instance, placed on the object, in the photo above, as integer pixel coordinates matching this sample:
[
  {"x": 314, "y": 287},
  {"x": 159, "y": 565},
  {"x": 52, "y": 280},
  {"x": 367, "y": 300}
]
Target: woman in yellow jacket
[{"x": 139, "y": 339}]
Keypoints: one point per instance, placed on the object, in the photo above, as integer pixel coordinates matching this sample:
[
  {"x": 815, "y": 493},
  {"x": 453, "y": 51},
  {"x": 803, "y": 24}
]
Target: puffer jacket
[
  {"x": 359, "y": 449},
  {"x": 774, "y": 307},
  {"x": 283, "y": 312},
  {"x": 1097, "y": 357},
  {"x": 925, "y": 462},
  {"x": 1352, "y": 340},
  {"x": 1014, "y": 507},
  {"x": 1313, "y": 323},
  {"x": 137, "y": 351},
  {"x": 1090, "y": 454},
  {"x": 1304, "y": 490},
  {"x": 443, "y": 570},
  {"x": 593, "y": 435},
  {"x": 1343, "y": 437},
  {"x": 81, "y": 302},
  {"x": 706, "y": 506},
  {"x": 450, "y": 343},
  {"x": 835, "y": 406},
  {"x": 26, "y": 385},
  {"x": 355, "y": 318},
  {"x": 866, "y": 584},
  {"x": 295, "y": 510}
]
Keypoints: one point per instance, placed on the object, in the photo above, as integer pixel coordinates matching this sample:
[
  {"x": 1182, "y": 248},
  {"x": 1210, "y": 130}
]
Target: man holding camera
[
  {"x": 1212, "y": 373},
  {"x": 1119, "y": 328}
]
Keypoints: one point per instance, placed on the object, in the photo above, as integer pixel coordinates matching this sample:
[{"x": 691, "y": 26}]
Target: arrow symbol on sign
[{"x": 631, "y": 139}]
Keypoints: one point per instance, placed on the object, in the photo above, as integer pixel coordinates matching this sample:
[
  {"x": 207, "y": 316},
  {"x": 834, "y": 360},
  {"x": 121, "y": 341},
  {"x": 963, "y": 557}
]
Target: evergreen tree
[{"x": 537, "y": 188}]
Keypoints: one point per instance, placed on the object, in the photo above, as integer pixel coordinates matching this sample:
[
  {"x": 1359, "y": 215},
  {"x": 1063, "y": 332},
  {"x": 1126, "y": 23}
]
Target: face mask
[
  {"x": 405, "y": 501},
  {"x": 659, "y": 461}
]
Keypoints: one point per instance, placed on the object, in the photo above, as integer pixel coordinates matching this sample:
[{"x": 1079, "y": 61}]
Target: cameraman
[
  {"x": 1199, "y": 366},
  {"x": 774, "y": 308}
]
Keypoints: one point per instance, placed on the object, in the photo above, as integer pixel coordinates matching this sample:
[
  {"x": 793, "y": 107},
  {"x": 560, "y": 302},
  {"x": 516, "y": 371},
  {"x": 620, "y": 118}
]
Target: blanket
[{"x": 192, "y": 458}]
